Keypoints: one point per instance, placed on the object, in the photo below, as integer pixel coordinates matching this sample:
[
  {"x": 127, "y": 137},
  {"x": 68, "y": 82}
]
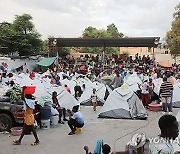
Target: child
[
  {"x": 144, "y": 93},
  {"x": 28, "y": 120},
  {"x": 94, "y": 99}
]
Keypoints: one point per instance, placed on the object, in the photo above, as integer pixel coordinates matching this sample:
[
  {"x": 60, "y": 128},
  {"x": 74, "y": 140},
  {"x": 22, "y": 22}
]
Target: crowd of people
[{"x": 120, "y": 68}]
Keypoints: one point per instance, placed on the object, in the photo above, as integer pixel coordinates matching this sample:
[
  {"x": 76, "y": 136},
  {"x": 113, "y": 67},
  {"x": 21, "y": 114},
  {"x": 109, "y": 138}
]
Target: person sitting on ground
[
  {"x": 76, "y": 119},
  {"x": 169, "y": 131},
  {"x": 28, "y": 120},
  {"x": 56, "y": 105}
]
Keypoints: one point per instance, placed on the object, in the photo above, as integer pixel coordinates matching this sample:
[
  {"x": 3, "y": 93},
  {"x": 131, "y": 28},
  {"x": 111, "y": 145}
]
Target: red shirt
[{"x": 32, "y": 75}]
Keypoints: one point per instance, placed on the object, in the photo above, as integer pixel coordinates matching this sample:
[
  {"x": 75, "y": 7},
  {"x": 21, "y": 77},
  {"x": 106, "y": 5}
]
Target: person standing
[
  {"x": 118, "y": 80},
  {"x": 151, "y": 90},
  {"x": 94, "y": 99},
  {"x": 144, "y": 93},
  {"x": 28, "y": 120},
  {"x": 165, "y": 93}
]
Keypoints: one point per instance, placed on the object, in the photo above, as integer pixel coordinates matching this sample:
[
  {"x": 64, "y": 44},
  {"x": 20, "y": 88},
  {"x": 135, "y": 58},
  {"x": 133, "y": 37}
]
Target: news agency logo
[{"x": 160, "y": 140}]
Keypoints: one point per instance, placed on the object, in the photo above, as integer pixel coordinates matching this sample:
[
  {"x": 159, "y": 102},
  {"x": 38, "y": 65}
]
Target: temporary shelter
[
  {"x": 102, "y": 92},
  {"x": 123, "y": 104},
  {"x": 66, "y": 100}
]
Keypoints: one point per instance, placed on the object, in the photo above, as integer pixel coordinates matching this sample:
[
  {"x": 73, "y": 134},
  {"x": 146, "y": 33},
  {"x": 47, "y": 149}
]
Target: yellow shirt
[{"x": 29, "y": 116}]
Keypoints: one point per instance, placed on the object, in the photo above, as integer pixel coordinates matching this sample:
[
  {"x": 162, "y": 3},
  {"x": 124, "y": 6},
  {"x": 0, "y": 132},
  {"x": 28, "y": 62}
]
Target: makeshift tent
[
  {"x": 123, "y": 104},
  {"x": 41, "y": 86},
  {"x": 102, "y": 92},
  {"x": 157, "y": 84},
  {"x": 133, "y": 79},
  {"x": 46, "y": 61},
  {"x": 71, "y": 84},
  {"x": 66, "y": 100}
]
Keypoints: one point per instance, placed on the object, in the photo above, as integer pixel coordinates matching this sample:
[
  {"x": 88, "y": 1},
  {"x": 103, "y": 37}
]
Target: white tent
[
  {"x": 101, "y": 90},
  {"x": 123, "y": 103},
  {"x": 71, "y": 84},
  {"x": 24, "y": 80},
  {"x": 65, "y": 99},
  {"x": 157, "y": 84},
  {"x": 133, "y": 79}
]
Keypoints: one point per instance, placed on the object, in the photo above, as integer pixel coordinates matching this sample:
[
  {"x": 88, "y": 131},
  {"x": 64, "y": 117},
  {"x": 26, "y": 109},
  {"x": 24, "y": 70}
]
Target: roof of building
[{"x": 105, "y": 42}]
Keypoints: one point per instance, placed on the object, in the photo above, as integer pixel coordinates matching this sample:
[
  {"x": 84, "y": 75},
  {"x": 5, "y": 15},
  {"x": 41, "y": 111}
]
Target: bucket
[
  {"x": 54, "y": 120},
  {"x": 45, "y": 124},
  {"x": 16, "y": 131},
  {"x": 29, "y": 90},
  {"x": 155, "y": 107},
  {"x": 45, "y": 112}
]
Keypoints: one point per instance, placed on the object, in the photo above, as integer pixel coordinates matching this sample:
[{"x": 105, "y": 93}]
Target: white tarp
[{"x": 123, "y": 103}]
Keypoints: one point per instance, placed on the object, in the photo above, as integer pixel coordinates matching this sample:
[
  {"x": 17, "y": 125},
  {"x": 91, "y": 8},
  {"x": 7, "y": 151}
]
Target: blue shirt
[{"x": 78, "y": 117}]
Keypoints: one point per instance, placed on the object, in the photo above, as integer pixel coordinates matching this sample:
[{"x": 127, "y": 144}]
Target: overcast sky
[{"x": 68, "y": 18}]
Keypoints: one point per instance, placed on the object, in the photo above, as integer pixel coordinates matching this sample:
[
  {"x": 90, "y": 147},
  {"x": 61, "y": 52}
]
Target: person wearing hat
[{"x": 28, "y": 120}]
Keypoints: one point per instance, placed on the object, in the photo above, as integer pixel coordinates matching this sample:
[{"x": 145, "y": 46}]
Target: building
[{"x": 132, "y": 51}]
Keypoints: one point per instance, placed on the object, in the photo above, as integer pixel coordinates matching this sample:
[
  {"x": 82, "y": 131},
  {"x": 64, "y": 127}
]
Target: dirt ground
[{"x": 56, "y": 141}]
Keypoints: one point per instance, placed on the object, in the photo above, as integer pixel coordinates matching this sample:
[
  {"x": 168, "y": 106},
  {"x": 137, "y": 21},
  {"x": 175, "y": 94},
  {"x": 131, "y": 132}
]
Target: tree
[
  {"x": 173, "y": 36},
  {"x": 92, "y": 32},
  {"x": 8, "y": 41},
  {"x": 20, "y": 36},
  {"x": 113, "y": 32}
]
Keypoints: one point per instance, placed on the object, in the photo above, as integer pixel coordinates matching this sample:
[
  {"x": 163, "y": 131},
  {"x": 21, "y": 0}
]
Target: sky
[{"x": 69, "y": 18}]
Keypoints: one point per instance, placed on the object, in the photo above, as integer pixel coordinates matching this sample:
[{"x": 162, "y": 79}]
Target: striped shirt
[{"x": 166, "y": 89}]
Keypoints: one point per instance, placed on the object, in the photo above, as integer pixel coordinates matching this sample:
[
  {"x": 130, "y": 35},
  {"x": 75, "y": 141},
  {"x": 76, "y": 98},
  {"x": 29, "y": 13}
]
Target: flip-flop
[
  {"x": 35, "y": 143},
  {"x": 71, "y": 133},
  {"x": 16, "y": 142}
]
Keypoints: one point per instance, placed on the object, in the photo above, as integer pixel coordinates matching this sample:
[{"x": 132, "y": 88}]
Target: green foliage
[
  {"x": 20, "y": 36},
  {"x": 173, "y": 36},
  {"x": 45, "y": 48},
  {"x": 127, "y": 53},
  {"x": 7, "y": 35},
  {"x": 111, "y": 32},
  {"x": 64, "y": 51}
]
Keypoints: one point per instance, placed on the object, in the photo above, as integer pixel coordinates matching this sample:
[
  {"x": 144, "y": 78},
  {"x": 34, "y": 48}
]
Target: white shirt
[
  {"x": 78, "y": 117},
  {"x": 162, "y": 147},
  {"x": 94, "y": 97},
  {"x": 144, "y": 88}
]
